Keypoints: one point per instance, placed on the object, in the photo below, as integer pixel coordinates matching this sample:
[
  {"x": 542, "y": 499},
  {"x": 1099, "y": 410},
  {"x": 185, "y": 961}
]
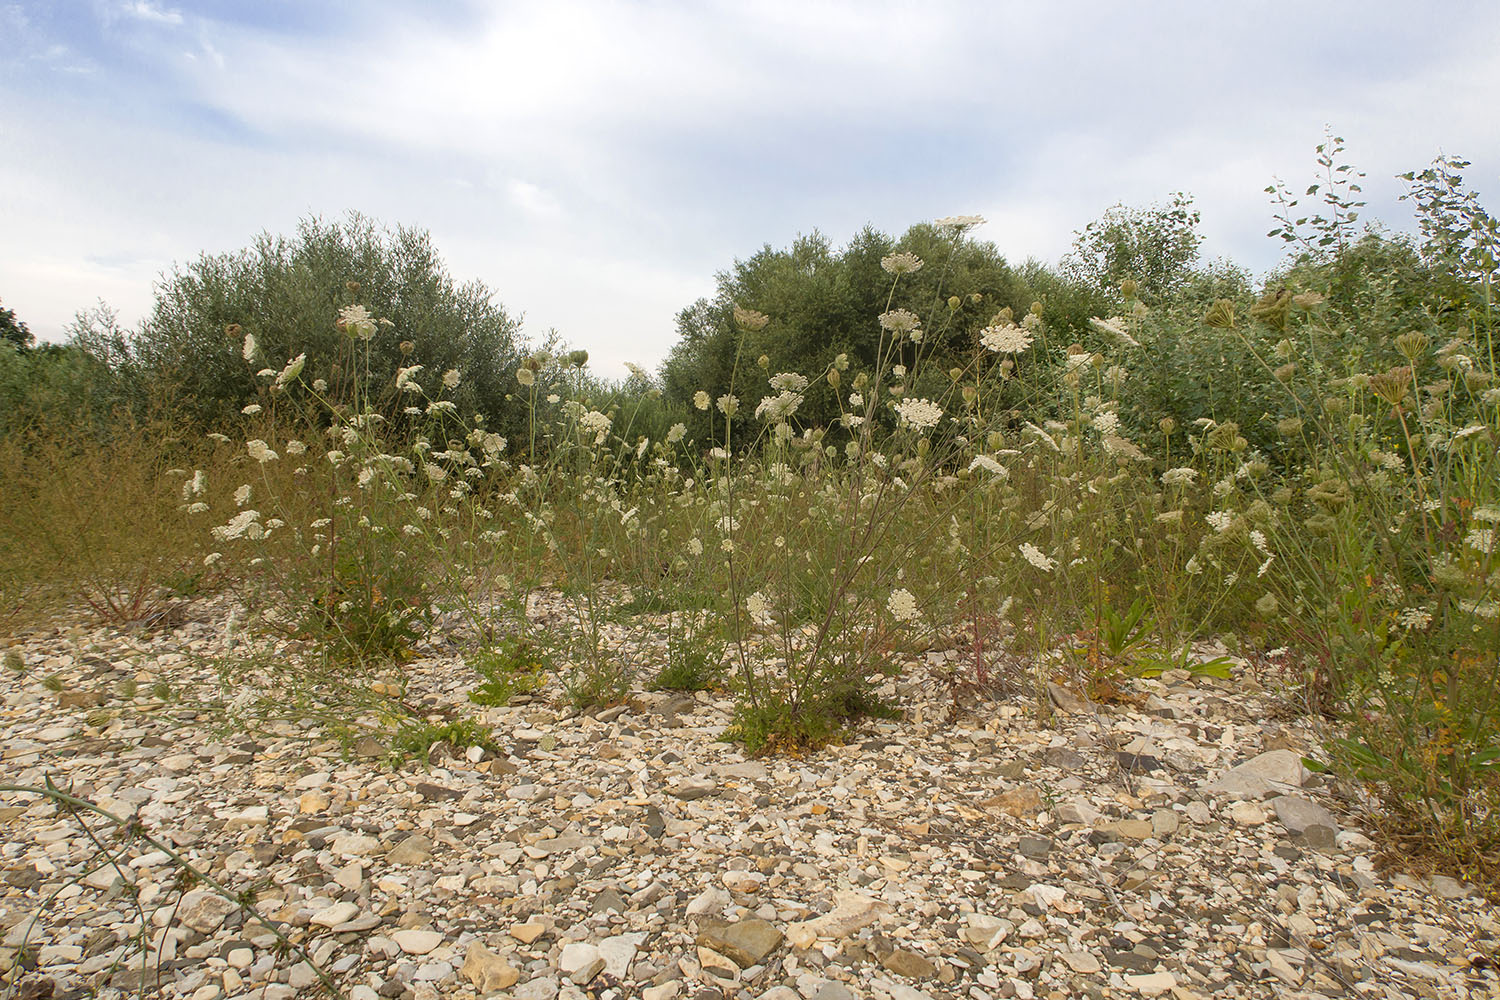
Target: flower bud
[
  {"x": 954, "y": 302},
  {"x": 407, "y": 347},
  {"x": 1128, "y": 288},
  {"x": 833, "y": 377},
  {"x": 352, "y": 287},
  {"x": 955, "y": 373},
  {"x": 1168, "y": 425},
  {"x": 764, "y": 361}
]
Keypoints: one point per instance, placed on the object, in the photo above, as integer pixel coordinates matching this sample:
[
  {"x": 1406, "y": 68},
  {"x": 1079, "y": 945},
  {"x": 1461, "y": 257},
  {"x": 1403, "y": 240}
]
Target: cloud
[
  {"x": 144, "y": 10},
  {"x": 596, "y": 163}
]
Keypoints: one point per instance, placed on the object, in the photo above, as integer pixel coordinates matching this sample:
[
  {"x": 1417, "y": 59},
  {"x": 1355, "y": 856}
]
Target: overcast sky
[{"x": 595, "y": 163}]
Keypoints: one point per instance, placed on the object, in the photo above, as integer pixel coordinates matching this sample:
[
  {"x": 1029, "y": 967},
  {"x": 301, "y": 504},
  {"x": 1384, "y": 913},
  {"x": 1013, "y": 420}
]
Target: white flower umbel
[
  {"x": 1006, "y": 338},
  {"x": 989, "y": 465},
  {"x": 902, "y": 605},
  {"x": 901, "y": 263},
  {"x": 357, "y": 322},
  {"x": 260, "y": 451},
  {"x": 788, "y": 382},
  {"x": 920, "y": 414},
  {"x": 1034, "y": 555},
  {"x": 1114, "y": 327}
]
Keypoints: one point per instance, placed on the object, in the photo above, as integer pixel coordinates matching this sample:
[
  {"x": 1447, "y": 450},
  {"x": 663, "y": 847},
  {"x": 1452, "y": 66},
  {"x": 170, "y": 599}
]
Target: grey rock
[
  {"x": 414, "y": 850},
  {"x": 1297, "y": 813},
  {"x": 693, "y": 788},
  {"x": 543, "y": 988},
  {"x": 204, "y": 911},
  {"x": 1035, "y": 847}
]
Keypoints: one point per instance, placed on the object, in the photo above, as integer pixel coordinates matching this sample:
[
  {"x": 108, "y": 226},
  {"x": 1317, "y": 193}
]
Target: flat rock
[
  {"x": 580, "y": 962},
  {"x": 487, "y": 970},
  {"x": 1152, "y": 984},
  {"x": 415, "y": 942},
  {"x": 851, "y": 911},
  {"x": 746, "y": 942},
  {"x": 204, "y": 911},
  {"x": 414, "y": 850},
  {"x": 1081, "y": 962},
  {"x": 1297, "y": 814},
  {"x": 334, "y": 914},
  {"x": 693, "y": 788},
  {"x": 909, "y": 964}
]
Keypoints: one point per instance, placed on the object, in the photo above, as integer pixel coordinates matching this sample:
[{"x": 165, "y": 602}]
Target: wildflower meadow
[{"x": 1055, "y": 482}]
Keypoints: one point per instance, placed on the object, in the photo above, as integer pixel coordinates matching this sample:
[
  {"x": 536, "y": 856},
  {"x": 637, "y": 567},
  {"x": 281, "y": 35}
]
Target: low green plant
[
  {"x": 511, "y": 667},
  {"x": 692, "y": 665},
  {"x": 416, "y": 739}
]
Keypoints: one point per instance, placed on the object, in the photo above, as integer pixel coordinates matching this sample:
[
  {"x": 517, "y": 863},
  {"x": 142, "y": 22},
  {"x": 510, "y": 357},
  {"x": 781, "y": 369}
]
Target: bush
[{"x": 285, "y": 293}]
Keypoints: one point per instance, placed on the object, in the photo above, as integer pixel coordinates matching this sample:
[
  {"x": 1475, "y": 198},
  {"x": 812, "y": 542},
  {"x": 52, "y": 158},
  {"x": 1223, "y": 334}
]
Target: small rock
[
  {"x": 332, "y": 916},
  {"x": 745, "y": 943},
  {"x": 1153, "y": 984},
  {"x": 580, "y": 962},
  {"x": 693, "y": 788},
  {"x": 487, "y": 970},
  {"x": 415, "y": 942},
  {"x": 544, "y": 988},
  {"x": 1247, "y": 814},
  {"x": 204, "y": 911},
  {"x": 1164, "y": 823},
  {"x": 529, "y": 932},
  {"x": 1135, "y": 829},
  {"x": 1297, "y": 814},
  {"x": 851, "y": 911},
  {"x": 250, "y": 817},
  {"x": 354, "y": 845},
  {"x": 414, "y": 850},
  {"x": 909, "y": 964},
  {"x": 312, "y": 802},
  {"x": 1018, "y": 802},
  {"x": 618, "y": 953},
  {"x": 1081, "y": 962},
  {"x": 1449, "y": 888},
  {"x": 1035, "y": 847}
]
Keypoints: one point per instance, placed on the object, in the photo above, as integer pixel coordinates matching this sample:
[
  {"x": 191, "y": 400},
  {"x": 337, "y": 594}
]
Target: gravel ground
[{"x": 1171, "y": 845}]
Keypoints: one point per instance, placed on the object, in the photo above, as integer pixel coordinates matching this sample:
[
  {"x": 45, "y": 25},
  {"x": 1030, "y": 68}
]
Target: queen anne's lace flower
[
  {"x": 989, "y": 465},
  {"x": 1181, "y": 476},
  {"x": 597, "y": 424},
  {"x": 451, "y": 378},
  {"x": 899, "y": 321},
  {"x": 959, "y": 222},
  {"x": 1114, "y": 327},
  {"x": 1005, "y": 338},
  {"x": 357, "y": 322},
  {"x": 901, "y": 263},
  {"x": 1034, "y": 555},
  {"x": 920, "y": 414},
  {"x": 260, "y": 451},
  {"x": 788, "y": 382},
  {"x": 779, "y": 407},
  {"x": 701, "y": 400},
  {"x": 526, "y": 376},
  {"x": 902, "y": 605},
  {"x": 676, "y": 433}
]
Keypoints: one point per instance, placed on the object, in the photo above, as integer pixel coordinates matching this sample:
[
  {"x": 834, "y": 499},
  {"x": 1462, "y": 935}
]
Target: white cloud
[
  {"x": 144, "y": 10},
  {"x": 596, "y": 163}
]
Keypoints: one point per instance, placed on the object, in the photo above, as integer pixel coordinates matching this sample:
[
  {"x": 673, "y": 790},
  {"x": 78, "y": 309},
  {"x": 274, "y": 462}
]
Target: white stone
[
  {"x": 415, "y": 942},
  {"x": 337, "y": 913}
]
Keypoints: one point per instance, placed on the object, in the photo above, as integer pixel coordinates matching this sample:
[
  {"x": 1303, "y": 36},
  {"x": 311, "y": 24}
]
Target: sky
[{"x": 596, "y": 162}]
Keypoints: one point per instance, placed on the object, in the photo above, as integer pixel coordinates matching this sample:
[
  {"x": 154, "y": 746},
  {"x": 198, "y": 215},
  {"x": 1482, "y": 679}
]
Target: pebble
[{"x": 633, "y": 854}]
